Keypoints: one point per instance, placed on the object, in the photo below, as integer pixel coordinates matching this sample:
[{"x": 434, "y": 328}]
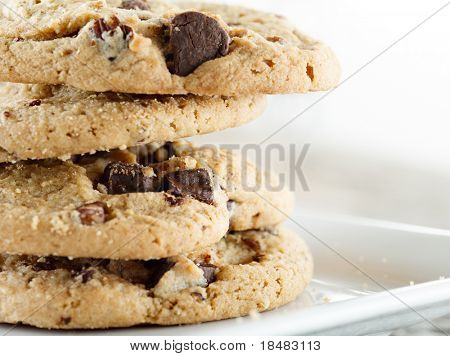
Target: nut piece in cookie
[{"x": 195, "y": 38}]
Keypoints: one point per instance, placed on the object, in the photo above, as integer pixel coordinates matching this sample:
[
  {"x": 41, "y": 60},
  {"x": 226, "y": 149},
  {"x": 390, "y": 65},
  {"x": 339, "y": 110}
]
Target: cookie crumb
[
  {"x": 254, "y": 314},
  {"x": 65, "y": 157},
  {"x": 34, "y": 222},
  {"x": 58, "y": 225}
]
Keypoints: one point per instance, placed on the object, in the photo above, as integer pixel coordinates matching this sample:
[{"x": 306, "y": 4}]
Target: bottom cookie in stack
[{"x": 246, "y": 271}]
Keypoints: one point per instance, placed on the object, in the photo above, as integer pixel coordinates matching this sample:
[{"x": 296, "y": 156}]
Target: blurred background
[{"x": 380, "y": 143}]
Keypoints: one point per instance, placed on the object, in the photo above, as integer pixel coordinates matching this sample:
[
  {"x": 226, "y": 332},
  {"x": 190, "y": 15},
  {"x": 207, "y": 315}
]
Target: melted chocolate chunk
[
  {"x": 44, "y": 265},
  {"x": 195, "y": 183},
  {"x": 51, "y": 263},
  {"x": 159, "y": 268},
  {"x": 101, "y": 26},
  {"x": 147, "y": 273},
  {"x": 93, "y": 213},
  {"x": 133, "y": 271},
  {"x": 87, "y": 275},
  {"x": 209, "y": 271},
  {"x": 194, "y": 39},
  {"x": 173, "y": 201},
  {"x": 252, "y": 244},
  {"x": 231, "y": 204},
  {"x": 121, "y": 178},
  {"x": 134, "y": 5}
]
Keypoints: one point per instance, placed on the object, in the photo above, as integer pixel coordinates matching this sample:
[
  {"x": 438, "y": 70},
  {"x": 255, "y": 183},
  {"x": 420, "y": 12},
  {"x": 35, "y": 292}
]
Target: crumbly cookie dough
[{"x": 245, "y": 272}]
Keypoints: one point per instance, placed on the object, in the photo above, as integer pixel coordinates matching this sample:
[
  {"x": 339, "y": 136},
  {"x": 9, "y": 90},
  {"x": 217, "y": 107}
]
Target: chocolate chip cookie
[
  {"x": 245, "y": 272},
  {"x": 44, "y": 121},
  {"x": 142, "y": 47},
  {"x": 146, "y": 202}
]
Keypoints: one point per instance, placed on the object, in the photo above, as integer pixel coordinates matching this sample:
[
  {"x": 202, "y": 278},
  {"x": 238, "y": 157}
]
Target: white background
[{"x": 380, "y": 143}]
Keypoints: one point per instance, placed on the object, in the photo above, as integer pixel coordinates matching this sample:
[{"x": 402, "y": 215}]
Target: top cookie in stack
[{"x": 149, "y": 47}]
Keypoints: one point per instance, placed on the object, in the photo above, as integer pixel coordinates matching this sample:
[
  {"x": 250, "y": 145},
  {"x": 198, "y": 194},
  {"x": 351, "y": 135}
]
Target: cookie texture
[
  {"x": 147, "y": 202},
  {"x": 108, "y": 206},
  {"x": 245, "y": 272},
  {"x": 6, "y": 157},
  {"x": 256, "y": 198},
  {"x": 44, "y": 121},
  {"x": 164, "y": 49}
]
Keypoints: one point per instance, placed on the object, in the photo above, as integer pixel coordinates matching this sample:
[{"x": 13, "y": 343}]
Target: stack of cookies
[{"x": 107, "y": 219}]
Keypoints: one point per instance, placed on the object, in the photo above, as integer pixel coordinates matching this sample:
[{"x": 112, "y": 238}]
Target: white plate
[{"x": 348, "y": 294}]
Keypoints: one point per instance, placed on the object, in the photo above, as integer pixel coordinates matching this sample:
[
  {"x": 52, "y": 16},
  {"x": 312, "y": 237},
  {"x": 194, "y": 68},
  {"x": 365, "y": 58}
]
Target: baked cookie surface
[
  {"x": 153, "y": 48},
  {"x": 147, "y": 202},
  {"x": 44, "y": 121},
  {"x": 244, "y": 272}
]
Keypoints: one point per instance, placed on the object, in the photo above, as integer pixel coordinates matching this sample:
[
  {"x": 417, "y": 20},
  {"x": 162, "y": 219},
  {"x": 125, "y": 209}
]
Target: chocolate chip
[
  {"x": 134, "y": 5},
  {"x": 159, "y": 268},
  {"x": 87, "y": 275},
  {"x": 93, "y": 213},
  {"x": 121, "y": 178},
  {"x": 195, "y": 183},
  {"x": 231, "y": 204},
  {"x": 73, "y": 34},
  {"x": 252, "y": 244},
  {"x": 259, "y": 257},
  {"x": 6, "y": 114},
  {"x": 44, "y": 264},
  {"x": 209, "y": 271},
  {"x": 65, "y": 321},
  {"x": 194, "y": 39},
  {"x": 36, "y": 102},
  {"x": 147, "y": 273},
  {"x": 172, "y": 200},
  {"x": 101, "y": 26},
  {"x": 76, "y": 265},
  {"x": 133, "y": 271}
]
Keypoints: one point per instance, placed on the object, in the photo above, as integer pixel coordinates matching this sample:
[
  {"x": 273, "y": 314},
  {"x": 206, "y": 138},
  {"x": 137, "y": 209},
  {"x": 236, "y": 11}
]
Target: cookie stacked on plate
[{"x": 107, "y": 219}]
